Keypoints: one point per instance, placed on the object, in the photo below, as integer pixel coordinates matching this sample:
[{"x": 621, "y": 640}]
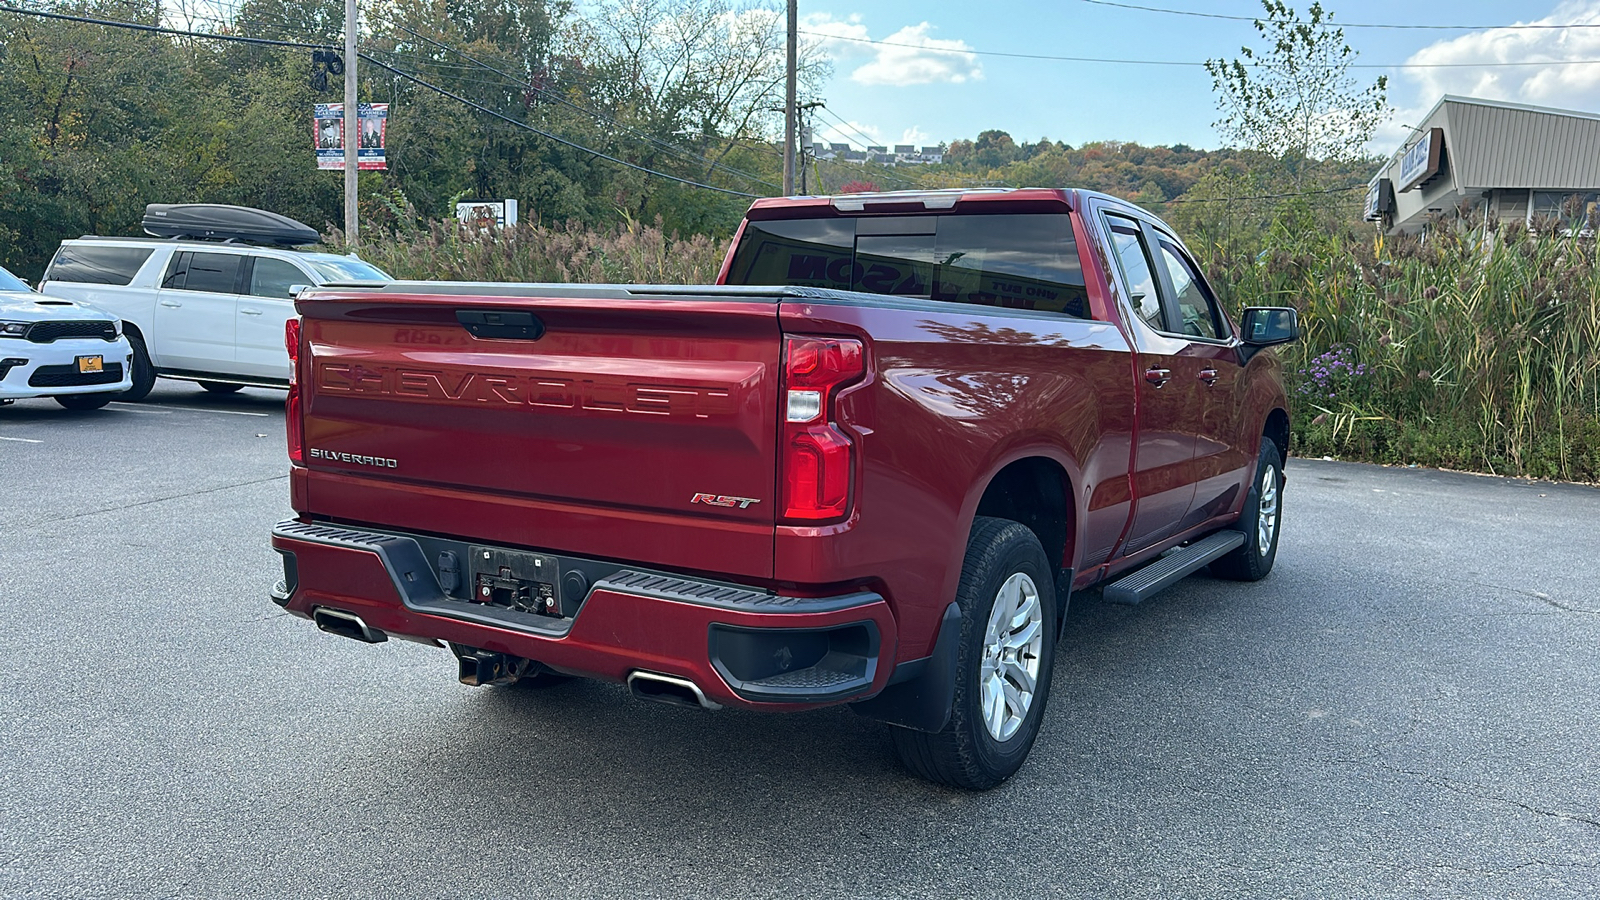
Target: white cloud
[
  {"x": 1566, "y": 86},
  {"x": 915, "y": 135},
  {"x": 906, "y": 57}
]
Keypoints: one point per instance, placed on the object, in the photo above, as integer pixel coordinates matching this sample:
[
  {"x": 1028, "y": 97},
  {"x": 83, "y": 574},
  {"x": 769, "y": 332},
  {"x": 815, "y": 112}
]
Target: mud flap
[{"x": 922, "y": 700}]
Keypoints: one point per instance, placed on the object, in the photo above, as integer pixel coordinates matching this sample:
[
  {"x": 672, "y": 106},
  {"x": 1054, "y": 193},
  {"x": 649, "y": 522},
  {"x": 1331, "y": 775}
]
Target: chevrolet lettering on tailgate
[{"x": 530, "y": 390}]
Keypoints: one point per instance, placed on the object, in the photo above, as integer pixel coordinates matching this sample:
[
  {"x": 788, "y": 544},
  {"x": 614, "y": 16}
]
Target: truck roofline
[
  {"x": 907, "y": 201},
  {"x": 965, "y": 200}
]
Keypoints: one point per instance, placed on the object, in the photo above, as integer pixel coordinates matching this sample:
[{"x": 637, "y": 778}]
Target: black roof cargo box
[{"x": 217, "y": 222}]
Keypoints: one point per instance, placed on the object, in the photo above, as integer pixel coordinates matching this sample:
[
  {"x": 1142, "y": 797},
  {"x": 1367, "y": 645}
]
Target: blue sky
[{"x": 900, "y": 95}]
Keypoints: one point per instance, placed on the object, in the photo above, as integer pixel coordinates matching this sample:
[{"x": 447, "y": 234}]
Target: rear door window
[
  {"x": 216, "y": 273},
  {"x": 96, "y": 264},
  {"x": 1134, "y": 259},
  {"x": 1011, "y": 261}
]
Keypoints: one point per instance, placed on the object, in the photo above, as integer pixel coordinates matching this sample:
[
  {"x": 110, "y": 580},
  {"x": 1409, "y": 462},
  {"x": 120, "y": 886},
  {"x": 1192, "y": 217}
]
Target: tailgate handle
[{"x": 502, "y": 324}]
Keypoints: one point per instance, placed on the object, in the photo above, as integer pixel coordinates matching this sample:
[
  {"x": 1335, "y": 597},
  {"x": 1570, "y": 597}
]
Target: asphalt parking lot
[{"x": 1408, "y": 707}]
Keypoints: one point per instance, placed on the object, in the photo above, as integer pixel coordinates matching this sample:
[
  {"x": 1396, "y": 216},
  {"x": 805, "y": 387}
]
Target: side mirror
[
  {"x": 295, "y": 289},
  {"x": 1263, "y": 326}
]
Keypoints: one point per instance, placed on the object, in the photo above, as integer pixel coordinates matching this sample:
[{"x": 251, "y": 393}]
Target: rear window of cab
[{"x": 1027, "y": 261}]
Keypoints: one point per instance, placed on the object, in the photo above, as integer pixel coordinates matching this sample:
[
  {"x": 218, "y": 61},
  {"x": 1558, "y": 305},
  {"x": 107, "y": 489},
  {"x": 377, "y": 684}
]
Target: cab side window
[
  {"x": 1135, "y": 261},
  {"x": 274, "y": 277},
  {"x": 1195, "y": 306}
]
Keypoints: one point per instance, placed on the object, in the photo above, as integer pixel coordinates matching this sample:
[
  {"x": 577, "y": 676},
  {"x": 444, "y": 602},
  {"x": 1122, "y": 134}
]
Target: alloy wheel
[
  {"x": 1267, "y": 520},
  {"x": 1012, "y": 644}
]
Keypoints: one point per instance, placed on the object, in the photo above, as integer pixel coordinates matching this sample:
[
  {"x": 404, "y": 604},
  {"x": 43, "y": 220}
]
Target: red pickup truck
[{"x": 869, "y": 466}]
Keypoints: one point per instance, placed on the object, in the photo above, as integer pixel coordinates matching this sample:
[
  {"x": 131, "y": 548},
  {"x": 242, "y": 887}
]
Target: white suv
[
  {"x": 204, "y": 311},
  {"x": 58, "y": 348}
]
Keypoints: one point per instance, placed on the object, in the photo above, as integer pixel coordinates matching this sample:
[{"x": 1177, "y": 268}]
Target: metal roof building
[{"x": 1513, "y": 161}]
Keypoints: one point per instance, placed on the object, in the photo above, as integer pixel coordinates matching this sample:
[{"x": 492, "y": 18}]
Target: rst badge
[{"x": 723, "y": 500}]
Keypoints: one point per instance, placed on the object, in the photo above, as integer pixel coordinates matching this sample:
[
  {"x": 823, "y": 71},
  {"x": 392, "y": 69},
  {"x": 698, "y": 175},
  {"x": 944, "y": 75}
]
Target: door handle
[
  {"x": 171, "y": 304},
  {"x": 1209, "y": 376},
  {"x": 257, "y": 312},
  {"x": 1157, "y": 376}
]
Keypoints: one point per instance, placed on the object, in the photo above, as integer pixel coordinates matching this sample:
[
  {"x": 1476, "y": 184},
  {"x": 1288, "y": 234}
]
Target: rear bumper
[{"x": 741, "y": 646}]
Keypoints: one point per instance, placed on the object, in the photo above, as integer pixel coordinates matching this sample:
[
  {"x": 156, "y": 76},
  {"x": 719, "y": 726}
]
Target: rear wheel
[
  {"x": 221, "y": 387},
  {"x": 144, "y": 373},
  {"x": 1008, "y": 630},
  {"x": 84, "y": 401},
  {"x": 1260, "y": 521}
]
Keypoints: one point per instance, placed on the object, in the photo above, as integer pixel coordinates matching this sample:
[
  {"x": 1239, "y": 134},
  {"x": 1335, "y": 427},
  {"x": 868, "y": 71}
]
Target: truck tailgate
[{"x": 598, "y": 422}]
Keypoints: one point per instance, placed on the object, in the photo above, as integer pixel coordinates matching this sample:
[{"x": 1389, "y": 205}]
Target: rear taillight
[
  {"x": 294, "y": 427},
  {"x": 817, "y": 456},
  {"x": 291, "y": 343}
]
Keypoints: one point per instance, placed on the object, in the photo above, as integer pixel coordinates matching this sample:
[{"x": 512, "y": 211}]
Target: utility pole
[
  {"x": 352, "y": 124},
  {"x": 790, "y": 113}
]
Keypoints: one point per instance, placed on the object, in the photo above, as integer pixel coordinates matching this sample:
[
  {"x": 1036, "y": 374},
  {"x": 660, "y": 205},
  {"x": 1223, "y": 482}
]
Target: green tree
[{"x": 1295, "y": 98}]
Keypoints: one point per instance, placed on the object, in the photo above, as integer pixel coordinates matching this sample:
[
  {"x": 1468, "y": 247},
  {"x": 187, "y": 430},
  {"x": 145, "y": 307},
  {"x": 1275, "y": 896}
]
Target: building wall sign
[
  {"x": 1380, "y": 200},
  {"x": 1421, "y": 162}
]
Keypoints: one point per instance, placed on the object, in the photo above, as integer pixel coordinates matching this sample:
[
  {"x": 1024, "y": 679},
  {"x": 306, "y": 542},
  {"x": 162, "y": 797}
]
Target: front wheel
[
  {"x": 1008, "y": 630},
  {"x": 1260, "y": 521},
  {"x": 144, "y": 372},
  {"x": 84, "y": 401}
]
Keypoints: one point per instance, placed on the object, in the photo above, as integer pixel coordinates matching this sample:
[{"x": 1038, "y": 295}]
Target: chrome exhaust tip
[
  {"x": 669, "y": 689},
  {"x": 350, "y": 625}
]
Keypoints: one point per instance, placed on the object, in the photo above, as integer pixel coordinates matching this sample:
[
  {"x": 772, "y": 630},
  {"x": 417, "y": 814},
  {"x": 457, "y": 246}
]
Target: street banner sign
[{"x": 327, "y": 130}]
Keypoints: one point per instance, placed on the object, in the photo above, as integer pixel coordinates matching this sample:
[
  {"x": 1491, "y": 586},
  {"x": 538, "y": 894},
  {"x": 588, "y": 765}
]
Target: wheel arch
[
  {"x": 1276, "y": 427},
  {"x": 1037, "y": 491}
]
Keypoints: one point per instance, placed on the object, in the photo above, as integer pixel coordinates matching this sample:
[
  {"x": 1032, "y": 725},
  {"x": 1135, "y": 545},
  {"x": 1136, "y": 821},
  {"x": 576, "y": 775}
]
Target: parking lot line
[
  {"x": 21, "y": 440},
  {"x": 224, "y": 412}
]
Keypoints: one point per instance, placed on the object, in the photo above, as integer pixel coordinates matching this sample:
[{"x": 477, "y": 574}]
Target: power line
[
  {"x": 1332, "y": 24},
  {"x": 158, "y": 29},
  {"x": 843, "y": 127},
  {"x": 1194, "y": 65}
]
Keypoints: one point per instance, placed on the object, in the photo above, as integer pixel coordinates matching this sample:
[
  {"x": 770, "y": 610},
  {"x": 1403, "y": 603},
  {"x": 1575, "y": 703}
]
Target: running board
[{"x": 1172, "y": 568}]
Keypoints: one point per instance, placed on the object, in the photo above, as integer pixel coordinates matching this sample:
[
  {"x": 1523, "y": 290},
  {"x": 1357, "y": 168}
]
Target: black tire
[
  {"x": 1252, "y": 560},
  {"x": 966, "y": 754},
  {"x": 221, "y": 387},
  {"x": 84, "y": 402},
  {"x": 144, "y": 373}
]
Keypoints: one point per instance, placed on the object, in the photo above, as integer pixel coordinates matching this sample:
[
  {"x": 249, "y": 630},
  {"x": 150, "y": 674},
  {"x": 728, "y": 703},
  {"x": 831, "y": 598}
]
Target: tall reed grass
[
  {"x": 630, "y": 253},
  {"x": 1478, "y": 348}
]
